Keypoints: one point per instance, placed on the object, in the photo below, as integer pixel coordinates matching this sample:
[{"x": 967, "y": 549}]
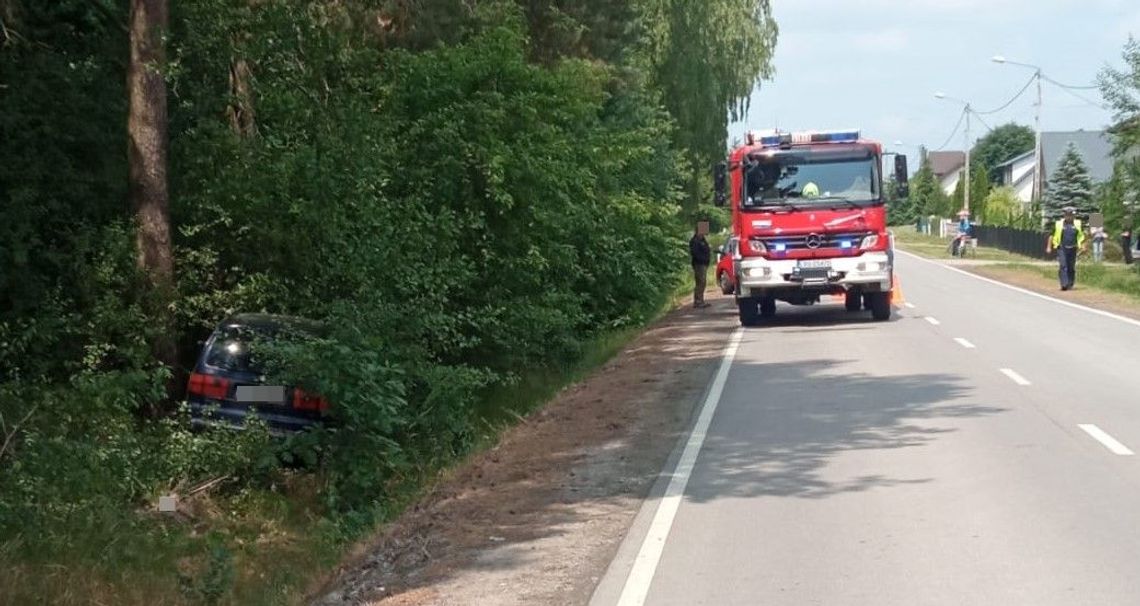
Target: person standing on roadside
[
  {"x": 1098, "y": 238},
  {"x": 699, "y": 254},
  {"x": 1067, "y": 239},
  {"x": 1126, "y": 244}
]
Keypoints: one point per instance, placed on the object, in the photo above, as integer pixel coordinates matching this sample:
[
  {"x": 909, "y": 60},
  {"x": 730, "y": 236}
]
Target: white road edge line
[
  {"x": 933, "y": 321},
  {"x": 640, "y": 577},
  {"x": 1108, "y": 441},
  {"x": 909, "y": 305},
  {"x": 1016, "y": 378},
  {"x": 965, "y": 343},
  {"x": 1099, "y": 312}
]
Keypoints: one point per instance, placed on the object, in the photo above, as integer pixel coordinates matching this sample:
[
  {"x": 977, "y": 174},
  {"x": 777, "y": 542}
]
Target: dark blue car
[{"x": 228, "y": 384}]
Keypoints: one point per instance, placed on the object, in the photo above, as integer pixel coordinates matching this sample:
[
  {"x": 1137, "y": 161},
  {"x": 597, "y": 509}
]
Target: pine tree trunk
[{"x": 147, "y": 156}]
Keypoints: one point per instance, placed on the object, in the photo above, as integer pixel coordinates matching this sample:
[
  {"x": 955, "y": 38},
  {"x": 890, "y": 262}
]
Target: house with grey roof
[
  {"x": 947, "y": 167},
  {"x": 1095, "y": 148}
]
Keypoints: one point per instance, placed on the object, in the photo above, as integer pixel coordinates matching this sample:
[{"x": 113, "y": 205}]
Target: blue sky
[{"x": 876, "y": 64}]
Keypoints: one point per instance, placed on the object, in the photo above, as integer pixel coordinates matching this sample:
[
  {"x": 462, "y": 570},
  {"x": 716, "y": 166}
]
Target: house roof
[
  {"x": 945, "y": 162},
  {"x": 1094, "y": 145},
  {"x": 1016, "y": 159}
]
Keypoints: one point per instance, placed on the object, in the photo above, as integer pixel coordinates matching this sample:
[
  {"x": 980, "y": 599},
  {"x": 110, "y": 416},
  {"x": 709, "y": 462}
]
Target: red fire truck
[{"x": 809, "y": 215}]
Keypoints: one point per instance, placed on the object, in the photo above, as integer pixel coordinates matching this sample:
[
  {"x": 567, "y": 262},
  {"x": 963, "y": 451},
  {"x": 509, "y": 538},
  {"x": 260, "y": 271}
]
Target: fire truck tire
[
  {"x": 853, "y": 302},
  {"x": 880, "y": 305},
  {"x": 726, "y": 286},
  {"x": 749, "y": 315},
  {"x": 767, "y": 307}
]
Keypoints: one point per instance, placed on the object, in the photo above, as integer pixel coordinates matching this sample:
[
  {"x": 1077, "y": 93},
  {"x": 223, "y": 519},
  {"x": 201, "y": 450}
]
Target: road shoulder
[{"x": 538, "y": 518}]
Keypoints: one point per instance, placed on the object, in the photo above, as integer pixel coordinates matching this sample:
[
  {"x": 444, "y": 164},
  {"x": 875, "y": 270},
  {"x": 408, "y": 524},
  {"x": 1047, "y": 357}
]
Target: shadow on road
[{"x": 779, "y": 425}]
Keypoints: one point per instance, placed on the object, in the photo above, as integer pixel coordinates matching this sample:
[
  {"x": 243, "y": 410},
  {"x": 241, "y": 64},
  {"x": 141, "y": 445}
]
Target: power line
[
  {"x": 1010, "y": 102},
  {"x": 1081, "y": 97},
  {"x": 979, "y": 117},
  {"x": 1070, "y": 86},
  {"x": 961, "y": 117}
]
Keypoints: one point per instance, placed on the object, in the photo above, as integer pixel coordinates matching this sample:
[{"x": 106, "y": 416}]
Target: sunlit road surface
[{"x": 977, "y": 449}]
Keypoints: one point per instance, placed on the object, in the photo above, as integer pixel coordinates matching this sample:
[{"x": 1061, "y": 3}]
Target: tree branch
[{"x": 10, "y": 435}]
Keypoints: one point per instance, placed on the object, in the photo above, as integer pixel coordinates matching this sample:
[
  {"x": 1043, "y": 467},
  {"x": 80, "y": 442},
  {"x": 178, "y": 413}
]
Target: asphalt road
[{"x": 974, "y": 450}]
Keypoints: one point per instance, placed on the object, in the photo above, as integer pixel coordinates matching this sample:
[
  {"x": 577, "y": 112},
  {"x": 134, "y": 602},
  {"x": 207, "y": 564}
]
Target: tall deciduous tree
[
  {"x": 147, "y": 159},
  {"x": 707, "y": 58},
  {"x": 1001, "y": 145},
  {"x": 1121, "y": 89},
  {"x": 1070, "y": 185}
]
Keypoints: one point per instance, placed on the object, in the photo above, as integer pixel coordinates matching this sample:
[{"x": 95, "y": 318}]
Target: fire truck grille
[{"x": 845, "y": 240}]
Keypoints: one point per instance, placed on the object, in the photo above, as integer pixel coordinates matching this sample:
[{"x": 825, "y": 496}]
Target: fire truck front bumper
[{"x": 869, "y": 272}]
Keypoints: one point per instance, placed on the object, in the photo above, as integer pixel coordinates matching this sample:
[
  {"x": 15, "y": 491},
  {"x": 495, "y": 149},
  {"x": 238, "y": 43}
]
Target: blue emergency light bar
[{"x": 775, "y": 138}]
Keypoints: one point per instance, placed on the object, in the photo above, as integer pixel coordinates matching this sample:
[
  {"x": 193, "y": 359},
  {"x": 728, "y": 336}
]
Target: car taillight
[
  {"x": 307, "y": 401},
  {"x": 208, "y": 386}
]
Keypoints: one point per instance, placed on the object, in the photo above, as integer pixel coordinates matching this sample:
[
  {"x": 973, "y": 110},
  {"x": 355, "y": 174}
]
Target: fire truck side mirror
[
  {"x": 901, "y": 174},
  {"x": 720, "y": 183}
]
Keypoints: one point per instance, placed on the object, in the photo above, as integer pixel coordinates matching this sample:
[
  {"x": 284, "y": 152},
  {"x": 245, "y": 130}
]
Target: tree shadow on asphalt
[{"x": 811, "y": 412}]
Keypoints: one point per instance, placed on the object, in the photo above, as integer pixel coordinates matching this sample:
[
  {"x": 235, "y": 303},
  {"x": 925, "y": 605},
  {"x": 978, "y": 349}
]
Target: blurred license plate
[
  {"x": 261, "y": 394},
  {"x": 814, "y": 264}
]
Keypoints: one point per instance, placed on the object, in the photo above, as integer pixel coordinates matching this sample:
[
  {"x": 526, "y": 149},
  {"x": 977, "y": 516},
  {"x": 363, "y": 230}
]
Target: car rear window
[{"x": 231, "y": 349}]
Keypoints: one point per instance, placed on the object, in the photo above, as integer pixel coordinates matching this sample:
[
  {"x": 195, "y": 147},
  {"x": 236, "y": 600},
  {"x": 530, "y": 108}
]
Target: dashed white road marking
[
  {"x": 1108, "y": 441},
  {"x": 965, "y": 343},
  {"x": 933, "y": 321},
  {"x": 909, "y": 305},
  {"x": 1016, "y": 378}
]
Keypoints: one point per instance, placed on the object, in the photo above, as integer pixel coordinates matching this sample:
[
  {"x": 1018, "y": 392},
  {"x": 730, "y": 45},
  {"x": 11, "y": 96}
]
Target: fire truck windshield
[{"x": 804, "y": 179}]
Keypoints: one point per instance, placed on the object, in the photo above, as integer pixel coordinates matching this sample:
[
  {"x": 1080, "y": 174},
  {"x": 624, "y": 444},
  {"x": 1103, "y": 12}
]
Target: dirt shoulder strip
[{"x": 538, "y": 518}]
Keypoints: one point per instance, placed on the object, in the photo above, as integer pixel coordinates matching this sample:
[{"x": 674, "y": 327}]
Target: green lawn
[{"x": 934, "y": 247}]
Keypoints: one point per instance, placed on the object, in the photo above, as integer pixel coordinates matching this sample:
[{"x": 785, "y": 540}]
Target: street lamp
[
  {"x": 1037, "y": 185},
  {"x": 966, "y": 185}
]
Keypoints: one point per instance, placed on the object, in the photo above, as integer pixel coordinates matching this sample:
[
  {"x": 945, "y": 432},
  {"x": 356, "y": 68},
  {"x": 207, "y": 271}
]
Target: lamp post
[
  {"x": 1037, "y": 183},
  {"x": 966, "y": 185}
]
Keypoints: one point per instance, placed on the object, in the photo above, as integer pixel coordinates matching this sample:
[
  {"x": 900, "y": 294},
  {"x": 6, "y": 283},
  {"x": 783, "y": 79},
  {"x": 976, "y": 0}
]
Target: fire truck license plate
[{"x": 814, "y": 264}]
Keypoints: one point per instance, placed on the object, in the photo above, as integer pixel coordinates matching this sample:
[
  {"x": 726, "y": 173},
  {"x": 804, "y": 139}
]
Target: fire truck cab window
[{"x": 782, "y": 179}]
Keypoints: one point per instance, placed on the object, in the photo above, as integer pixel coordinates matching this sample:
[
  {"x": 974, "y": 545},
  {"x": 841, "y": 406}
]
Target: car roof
[{"x": 273, "y": 321}]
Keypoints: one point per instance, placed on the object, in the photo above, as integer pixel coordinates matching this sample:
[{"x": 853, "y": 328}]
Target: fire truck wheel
[
  {"x": 726, "y": 286},
  {"x": 749, "y": 315},
  {"x": 880, "y": 305},
  {"x": 853, "y": 302},
  {"x": 767, "y": 307}
]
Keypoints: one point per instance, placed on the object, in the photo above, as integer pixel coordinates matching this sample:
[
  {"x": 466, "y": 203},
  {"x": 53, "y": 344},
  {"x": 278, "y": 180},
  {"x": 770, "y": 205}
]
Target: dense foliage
[{"x": 461, "y": 191}]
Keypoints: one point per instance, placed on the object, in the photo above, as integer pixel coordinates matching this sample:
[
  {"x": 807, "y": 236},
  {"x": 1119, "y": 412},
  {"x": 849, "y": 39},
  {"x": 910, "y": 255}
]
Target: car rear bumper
[
  {"x": 220, "y": 414},
  {"x": 869, "y": 272}
]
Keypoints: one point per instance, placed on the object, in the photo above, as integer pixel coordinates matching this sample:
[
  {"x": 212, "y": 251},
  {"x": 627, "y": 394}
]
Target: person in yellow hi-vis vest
[{"x": 1067, "y": 239}]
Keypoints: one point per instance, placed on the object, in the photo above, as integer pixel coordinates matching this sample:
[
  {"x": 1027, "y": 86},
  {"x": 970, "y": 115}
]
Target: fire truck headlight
[
  {"x": 871, "y": 266},
  {"x": 757, "y": 246},
  {"x": 757, "y": 272},
  {"x": 870, "y": 241}
]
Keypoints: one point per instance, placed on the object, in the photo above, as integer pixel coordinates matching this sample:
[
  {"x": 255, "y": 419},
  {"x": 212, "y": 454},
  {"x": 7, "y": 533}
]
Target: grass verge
[{"x": 934, "y": 247}]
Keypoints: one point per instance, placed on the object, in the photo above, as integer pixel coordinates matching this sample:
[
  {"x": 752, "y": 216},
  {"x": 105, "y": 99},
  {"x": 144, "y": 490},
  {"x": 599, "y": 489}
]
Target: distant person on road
[
  {"x": 1126, "y": 244},
  {"x": 699, "y": 254},
  {"x": 1067, "y": 239},
  {"x": 1098, "y": 238}
]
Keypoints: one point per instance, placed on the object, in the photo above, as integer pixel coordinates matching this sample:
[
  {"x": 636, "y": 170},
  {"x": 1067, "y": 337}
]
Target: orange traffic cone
[{"x": 897, "y": 298}]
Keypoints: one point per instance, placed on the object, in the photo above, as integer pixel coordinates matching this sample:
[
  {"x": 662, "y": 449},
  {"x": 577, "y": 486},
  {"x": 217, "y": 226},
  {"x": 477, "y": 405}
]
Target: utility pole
[
  {"x": 966, "y": 187},
  {"x": 1037, "y": 182}
]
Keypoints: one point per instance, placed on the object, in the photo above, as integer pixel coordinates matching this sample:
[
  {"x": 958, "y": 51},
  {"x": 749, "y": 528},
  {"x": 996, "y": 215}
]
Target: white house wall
[{"x": 949, "y": 183}]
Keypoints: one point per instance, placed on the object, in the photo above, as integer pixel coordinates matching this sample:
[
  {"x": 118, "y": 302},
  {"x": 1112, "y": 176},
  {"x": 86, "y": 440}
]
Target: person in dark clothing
[
  {"x": 1126, "y": 244},
  {"x": 699, "y": 254},
  {"x": 1067, "y": 239}
]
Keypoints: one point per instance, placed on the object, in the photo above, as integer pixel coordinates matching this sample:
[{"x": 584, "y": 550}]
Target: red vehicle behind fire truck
[{"x": 809, "y": 218}]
